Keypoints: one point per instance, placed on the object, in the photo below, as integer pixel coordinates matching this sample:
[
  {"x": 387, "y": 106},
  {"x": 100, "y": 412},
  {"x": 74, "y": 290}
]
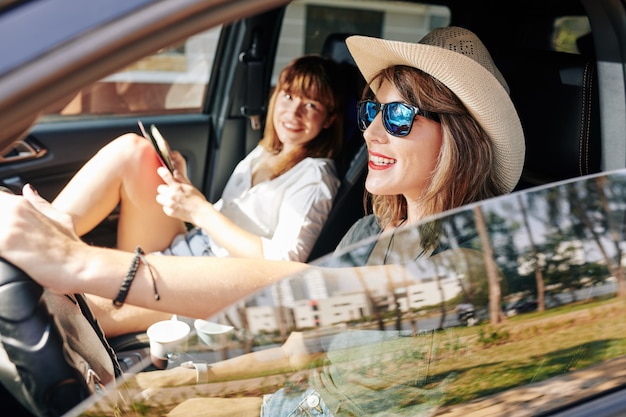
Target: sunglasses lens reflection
[
  {"x": 366, "y": 113},
  {"x": 397, "y": 117}
]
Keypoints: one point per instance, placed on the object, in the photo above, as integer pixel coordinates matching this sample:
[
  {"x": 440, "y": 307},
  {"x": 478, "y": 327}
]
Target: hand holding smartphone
[{"x": 160, "y": 145}]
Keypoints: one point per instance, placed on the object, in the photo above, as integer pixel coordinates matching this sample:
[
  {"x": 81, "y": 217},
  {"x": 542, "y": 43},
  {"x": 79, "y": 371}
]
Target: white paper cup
[
  {"x": 165, "y": 338},
  {"x": 214, "y": 335}
]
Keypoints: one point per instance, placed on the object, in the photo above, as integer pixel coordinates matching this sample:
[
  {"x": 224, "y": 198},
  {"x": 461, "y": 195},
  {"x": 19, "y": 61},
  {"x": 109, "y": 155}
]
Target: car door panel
[{"x": 68, "y": 145}]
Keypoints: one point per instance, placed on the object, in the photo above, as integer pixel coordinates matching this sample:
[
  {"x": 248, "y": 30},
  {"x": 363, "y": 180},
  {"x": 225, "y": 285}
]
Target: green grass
[{"x": 533, "y": 347}]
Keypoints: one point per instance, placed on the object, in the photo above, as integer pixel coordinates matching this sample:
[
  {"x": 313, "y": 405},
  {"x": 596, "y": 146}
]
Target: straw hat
[{"x": 456, "y": 57}]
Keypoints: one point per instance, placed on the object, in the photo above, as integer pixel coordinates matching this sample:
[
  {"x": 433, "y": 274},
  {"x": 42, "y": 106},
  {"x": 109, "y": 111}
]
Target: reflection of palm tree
[
  {"x": 541, "y": 304},
  {"x": 495, "y": 295}
]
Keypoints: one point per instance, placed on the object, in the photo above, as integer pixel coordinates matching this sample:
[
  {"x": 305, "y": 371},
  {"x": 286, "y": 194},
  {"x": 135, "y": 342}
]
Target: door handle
[{"x": 23, "y": 150}]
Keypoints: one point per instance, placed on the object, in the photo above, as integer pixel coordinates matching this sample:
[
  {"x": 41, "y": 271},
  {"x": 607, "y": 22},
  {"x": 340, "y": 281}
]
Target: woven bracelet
[{"x": 130, "y": 276}]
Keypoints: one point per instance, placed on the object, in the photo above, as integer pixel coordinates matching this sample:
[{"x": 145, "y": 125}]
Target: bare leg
[
  {"x": 123, "y": 172},
  {"x": 218, "y": 407}
]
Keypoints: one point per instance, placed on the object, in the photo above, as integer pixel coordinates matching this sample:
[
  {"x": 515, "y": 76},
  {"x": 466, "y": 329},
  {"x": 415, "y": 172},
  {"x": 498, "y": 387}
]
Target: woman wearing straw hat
[
  {"x": 441, "y": 132},
  {"x": 440, "y": 128}
]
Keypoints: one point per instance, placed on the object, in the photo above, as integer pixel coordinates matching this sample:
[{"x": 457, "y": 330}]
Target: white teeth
[
  {"x": 382, "y": 161},
  {"x": 292, "y": 126}
]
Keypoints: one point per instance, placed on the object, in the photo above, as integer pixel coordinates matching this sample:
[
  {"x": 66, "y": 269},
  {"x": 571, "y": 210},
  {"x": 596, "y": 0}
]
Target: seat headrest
[{"x": 335, "y": 48}]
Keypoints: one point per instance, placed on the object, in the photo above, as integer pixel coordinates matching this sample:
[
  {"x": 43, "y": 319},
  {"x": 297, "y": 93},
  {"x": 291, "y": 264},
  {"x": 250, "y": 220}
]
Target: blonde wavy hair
[{"x": 465, "y": 170}]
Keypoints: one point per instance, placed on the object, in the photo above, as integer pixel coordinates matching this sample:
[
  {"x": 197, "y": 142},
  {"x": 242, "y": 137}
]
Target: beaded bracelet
[{"x": 130, "y": 276}]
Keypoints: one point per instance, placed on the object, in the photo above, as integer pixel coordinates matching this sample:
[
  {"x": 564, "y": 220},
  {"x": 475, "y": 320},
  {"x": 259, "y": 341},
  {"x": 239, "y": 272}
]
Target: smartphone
[{"x": 161, "y": 146}]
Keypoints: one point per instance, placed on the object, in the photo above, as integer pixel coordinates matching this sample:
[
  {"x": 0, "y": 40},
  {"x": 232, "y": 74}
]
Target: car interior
[
  {"x": 563, "y": 87},
  {"x": 570, "y": 101}
]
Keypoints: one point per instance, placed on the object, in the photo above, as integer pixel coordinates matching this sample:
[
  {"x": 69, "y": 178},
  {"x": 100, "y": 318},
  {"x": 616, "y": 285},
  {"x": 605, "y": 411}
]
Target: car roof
[
  {"x": 88, "y": 44},
  {"x": 96, "y": 40}
]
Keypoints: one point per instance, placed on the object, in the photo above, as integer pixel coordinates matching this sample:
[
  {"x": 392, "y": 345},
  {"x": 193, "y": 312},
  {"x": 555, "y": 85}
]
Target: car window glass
[
  {"x": 568, "y": 32},
  {"x": 516, "y": 304},
  {"x": 174, "y": 80}
]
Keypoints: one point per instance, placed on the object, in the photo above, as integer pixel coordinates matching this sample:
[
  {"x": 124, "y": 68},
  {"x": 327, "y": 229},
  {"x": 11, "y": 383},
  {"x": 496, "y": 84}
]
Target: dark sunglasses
[{"x": 397, "y": 117}]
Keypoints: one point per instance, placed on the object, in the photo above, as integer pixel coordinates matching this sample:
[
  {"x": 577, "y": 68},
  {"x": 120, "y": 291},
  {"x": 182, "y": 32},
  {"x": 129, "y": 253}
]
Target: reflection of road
[
  {"x": 426, "y": 324},
  {"x": 432, "y": 323},
  {"x": 423, "y": 325},
  {"x": 588, "y": 292}
]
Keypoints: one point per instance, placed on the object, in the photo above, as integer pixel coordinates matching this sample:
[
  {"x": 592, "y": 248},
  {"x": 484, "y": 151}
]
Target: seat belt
[{"x": 254, "y": 109}]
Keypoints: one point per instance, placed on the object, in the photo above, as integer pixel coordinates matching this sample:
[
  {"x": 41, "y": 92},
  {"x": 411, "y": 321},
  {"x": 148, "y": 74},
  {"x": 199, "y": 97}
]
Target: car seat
[
  {"x": 349, "y": 203},
  {"x": 556, "y": 96}
]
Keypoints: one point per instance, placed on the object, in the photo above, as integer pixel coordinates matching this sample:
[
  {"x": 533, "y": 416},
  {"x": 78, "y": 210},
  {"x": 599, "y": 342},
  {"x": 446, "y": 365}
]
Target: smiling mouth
[
  {"x": 292, "y": 126},
  {"x": 380, "y": 161}
]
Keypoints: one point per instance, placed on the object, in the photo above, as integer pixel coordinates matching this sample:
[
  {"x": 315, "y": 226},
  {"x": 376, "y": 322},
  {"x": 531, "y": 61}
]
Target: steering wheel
[{"x": 53, "y": 353}]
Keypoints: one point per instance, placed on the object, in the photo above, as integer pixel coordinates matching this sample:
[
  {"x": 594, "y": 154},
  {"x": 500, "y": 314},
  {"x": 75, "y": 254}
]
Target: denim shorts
[
  {"x": 308, "y": 403},
  {"x": 193, "y": 243}
]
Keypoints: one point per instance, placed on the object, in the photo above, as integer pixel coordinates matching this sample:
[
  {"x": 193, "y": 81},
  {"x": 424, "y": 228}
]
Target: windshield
[{"x": 516, "y": 303}]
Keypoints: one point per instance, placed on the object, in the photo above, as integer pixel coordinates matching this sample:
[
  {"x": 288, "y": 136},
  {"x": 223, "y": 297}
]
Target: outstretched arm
[{"x": 49, "y": 251}]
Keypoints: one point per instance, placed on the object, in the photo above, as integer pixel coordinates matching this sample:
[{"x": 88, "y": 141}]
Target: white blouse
[{"x": 288, "y": 212}]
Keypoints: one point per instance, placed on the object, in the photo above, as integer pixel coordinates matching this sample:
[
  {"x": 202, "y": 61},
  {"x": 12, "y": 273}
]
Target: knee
[
  {"x": 130, "y": 147},
  {"x": 131, "y": 142}
]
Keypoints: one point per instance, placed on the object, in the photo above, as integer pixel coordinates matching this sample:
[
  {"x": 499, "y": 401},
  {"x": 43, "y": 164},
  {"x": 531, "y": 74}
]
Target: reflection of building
[
  {"x": 332, "y": 310},
  {"x": 310, "y": 312},
  {"x": 286, "y": 292},
  {"x": 428, "y": 293},
  {"x": 267, "y": 319}
]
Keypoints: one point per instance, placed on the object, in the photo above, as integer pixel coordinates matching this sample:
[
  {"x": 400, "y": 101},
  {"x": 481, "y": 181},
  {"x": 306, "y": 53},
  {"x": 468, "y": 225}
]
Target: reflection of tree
[
  {"x": 555, "y": 256},
  {"x": 501, "y": 232},
  {"x": 563, "y": 265},
  {"x": 406, "y": 284},
  {"x": 468, "y": 268},
  {"x": 396, "y": 302},
  {"x": 461, "y": 225},
  {"x": 247, "y": 338},
  {"x": 570, "y": 220},
  {"x": 541, "y": 305},
  {"x": 372, "y": 301},
  {"x": 618, "y": 271},
  {"x": 495, "y": 296},
  {"x": 442, "y": 305},
  {"x": 598, "y": 209},
  {"x": 280, "y": 288}
]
